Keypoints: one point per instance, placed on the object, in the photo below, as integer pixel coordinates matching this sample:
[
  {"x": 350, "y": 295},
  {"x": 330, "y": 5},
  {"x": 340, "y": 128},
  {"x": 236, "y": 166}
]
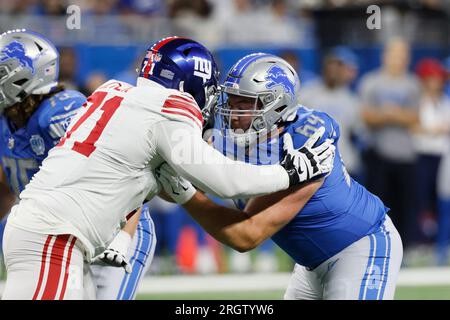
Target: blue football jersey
[
  {"x": 341, "y": 211},
  {"x": 23, "y": 150}
]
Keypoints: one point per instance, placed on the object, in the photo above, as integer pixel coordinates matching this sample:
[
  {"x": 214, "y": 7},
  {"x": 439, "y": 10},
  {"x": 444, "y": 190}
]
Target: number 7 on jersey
[{"x": 93, "y": 103}]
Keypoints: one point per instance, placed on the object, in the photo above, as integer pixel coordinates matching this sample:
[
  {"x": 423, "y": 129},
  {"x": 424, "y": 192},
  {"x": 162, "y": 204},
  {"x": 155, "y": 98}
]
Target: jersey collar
[{"x": 143, "y": 82}]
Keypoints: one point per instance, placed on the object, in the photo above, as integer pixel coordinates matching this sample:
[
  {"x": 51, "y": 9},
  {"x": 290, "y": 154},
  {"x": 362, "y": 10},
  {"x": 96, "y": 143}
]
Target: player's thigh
[
  {"x": 39, "y": 266},
  {"x": 303, "y": 285},
  {"x": 89, "y": 284},
  {"x": 114, "y": 283},
  {"x": 367, "y": 269}
]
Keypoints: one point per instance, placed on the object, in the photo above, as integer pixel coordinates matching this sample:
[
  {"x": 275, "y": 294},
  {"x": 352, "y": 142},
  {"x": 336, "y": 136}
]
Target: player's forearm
[
  {"x": 220, "y": 222},
  {"x": 236, "y": 228},
  {"x": 214, "y": 173},
  {"x": 236, "y": 180},
  {"x": 372, "y": 118},
  {"x": 132, "y": 223},
  {"x": 404, "y": 118}
]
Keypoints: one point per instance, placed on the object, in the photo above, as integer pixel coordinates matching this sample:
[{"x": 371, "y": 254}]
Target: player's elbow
[
  {"x": 246, "y": 242},
  {"x": 243, "y": 246}
]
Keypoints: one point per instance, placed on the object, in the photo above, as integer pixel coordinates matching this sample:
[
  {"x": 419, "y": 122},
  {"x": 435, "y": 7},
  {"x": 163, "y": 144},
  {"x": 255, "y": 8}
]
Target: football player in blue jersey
[
  {"x": 35, "y": 111},
  {"x": 338, "y": 233}
]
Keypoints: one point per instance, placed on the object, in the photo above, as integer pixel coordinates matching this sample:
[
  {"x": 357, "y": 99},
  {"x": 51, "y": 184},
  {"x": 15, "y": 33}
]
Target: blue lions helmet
[
  {"x": 274, "y": 87},
  {"x": 29, "y": 64},
  {"x": 185, "y": 65}
]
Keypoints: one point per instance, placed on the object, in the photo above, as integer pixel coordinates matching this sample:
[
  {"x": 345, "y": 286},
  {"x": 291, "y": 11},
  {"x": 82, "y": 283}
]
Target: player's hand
[
  {"x": 174, "y": 185},
  {"x": 308, "y": 162},
  {"x": 115, "y": 254}
]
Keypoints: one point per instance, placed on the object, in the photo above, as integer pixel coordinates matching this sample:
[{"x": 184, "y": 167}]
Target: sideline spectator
[
  {"x": 332, "y": 95},
  {"x": 431, "y": 136},
  {"x": 93, "y": 81},
  {"x": 390, "y": 98},
  {"x": 305, "y": 76},
  {"x": 68, "y": 66}
]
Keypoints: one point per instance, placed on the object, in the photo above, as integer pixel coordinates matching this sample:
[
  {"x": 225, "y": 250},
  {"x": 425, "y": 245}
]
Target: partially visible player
[
  {"x": 103, "y": 168},
  {"x": 338, "y": 233},
  {"x": 35, "y": 111}
]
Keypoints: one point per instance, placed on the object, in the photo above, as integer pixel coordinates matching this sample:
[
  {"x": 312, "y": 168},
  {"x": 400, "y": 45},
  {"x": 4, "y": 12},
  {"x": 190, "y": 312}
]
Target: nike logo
[
  {"x": 184, "y": 188},
  {"x": 174, "y": 192},
  {"x": 68, "y": 107}
]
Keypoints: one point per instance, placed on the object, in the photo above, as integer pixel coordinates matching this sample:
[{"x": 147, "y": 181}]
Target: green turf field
[{"x": 402, "y": 293}]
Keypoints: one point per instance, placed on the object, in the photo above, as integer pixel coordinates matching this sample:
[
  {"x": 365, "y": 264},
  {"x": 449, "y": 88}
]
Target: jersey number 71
[{"x": 109, "y": 107}]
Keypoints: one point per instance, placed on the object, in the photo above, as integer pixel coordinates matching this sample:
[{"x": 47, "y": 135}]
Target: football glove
[
  {"x": 174, "y": 185},
  {"x": 115, "y": 254},
  {"x": 308, "y": 162}
]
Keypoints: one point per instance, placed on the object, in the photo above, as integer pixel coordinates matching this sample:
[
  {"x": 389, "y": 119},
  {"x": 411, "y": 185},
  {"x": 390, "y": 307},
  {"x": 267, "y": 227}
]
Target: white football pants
[
  {"x": 44, "y": 267},
  {"x": 52, "y": 267}
]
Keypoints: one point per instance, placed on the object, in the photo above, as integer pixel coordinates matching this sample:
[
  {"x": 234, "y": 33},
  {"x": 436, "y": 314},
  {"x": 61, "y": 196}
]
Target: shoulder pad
[
  {"x": 182, "y": 107},
  {"x": 307, "y": 122},
  {"x": 57, "y": 111}
]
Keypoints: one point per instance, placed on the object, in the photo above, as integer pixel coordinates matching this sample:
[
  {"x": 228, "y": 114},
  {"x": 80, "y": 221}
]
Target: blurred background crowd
[{"x": 388, "y": 88}]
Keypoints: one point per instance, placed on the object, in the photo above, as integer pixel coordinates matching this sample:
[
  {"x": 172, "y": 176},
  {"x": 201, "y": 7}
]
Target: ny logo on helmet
[
  {"x": 16, "y": 50},
  {"x": 202, "y": 68},
  {"x": 277, "y": 76}
]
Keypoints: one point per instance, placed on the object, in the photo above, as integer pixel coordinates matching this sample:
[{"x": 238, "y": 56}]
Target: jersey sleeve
[
  {"x": 182, "y": 147},
  {"x": 182, "y": 107},
  {"x": 60, "y": 110}
]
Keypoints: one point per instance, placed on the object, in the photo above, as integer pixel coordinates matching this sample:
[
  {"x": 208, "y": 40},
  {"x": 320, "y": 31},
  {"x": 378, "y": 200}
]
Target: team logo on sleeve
[
  {"x": 11, "y": 143},
  {"x": 16, "y": 50},
  {"x": 276, "y": 76},
  {"x": 37, "y": 144}
]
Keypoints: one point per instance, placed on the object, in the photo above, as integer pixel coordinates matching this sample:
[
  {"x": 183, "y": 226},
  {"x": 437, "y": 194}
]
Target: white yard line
[{"x": 271, "y": 281}]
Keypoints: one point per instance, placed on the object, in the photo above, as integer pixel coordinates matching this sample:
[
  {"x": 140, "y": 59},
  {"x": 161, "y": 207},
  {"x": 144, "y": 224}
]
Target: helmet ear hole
[
  {"x": 280, "y": 109},
  {"x": 186, "y": 51},
  {"x": 39, "y": 47}
]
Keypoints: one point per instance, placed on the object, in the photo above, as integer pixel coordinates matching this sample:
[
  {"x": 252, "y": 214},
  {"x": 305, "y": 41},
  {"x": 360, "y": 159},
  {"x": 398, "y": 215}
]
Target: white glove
[
  {"x": 174, "y": 185},
  {"x": 308, "y": 162},
  {"x": 115, "y": 254}
]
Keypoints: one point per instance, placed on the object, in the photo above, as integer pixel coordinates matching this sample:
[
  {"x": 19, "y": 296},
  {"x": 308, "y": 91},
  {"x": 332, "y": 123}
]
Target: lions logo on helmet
[
  {"x": 16, "y": 50},
  {"x": 277, "y": 76},
  {"x": 28, "y": 65}
]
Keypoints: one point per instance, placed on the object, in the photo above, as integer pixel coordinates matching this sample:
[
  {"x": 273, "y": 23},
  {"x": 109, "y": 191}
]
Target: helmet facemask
[
  {"x": 272, "y": 84},
  {"x": 211, "y": 98},
  {"x": 248, "y": 117}
]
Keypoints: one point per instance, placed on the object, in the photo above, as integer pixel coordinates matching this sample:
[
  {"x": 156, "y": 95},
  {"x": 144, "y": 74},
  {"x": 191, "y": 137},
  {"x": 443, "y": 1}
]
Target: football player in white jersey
[
  {"x": 104, "y": 167},
  {"x": 35, "y": 110}
]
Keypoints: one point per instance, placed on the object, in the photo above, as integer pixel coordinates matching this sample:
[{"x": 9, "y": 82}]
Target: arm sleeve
[{"x": 183, "y": 148}]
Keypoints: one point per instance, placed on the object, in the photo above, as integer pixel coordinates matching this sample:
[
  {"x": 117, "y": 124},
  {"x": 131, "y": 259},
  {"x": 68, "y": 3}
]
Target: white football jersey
[{"x": 103, "y": 168}]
